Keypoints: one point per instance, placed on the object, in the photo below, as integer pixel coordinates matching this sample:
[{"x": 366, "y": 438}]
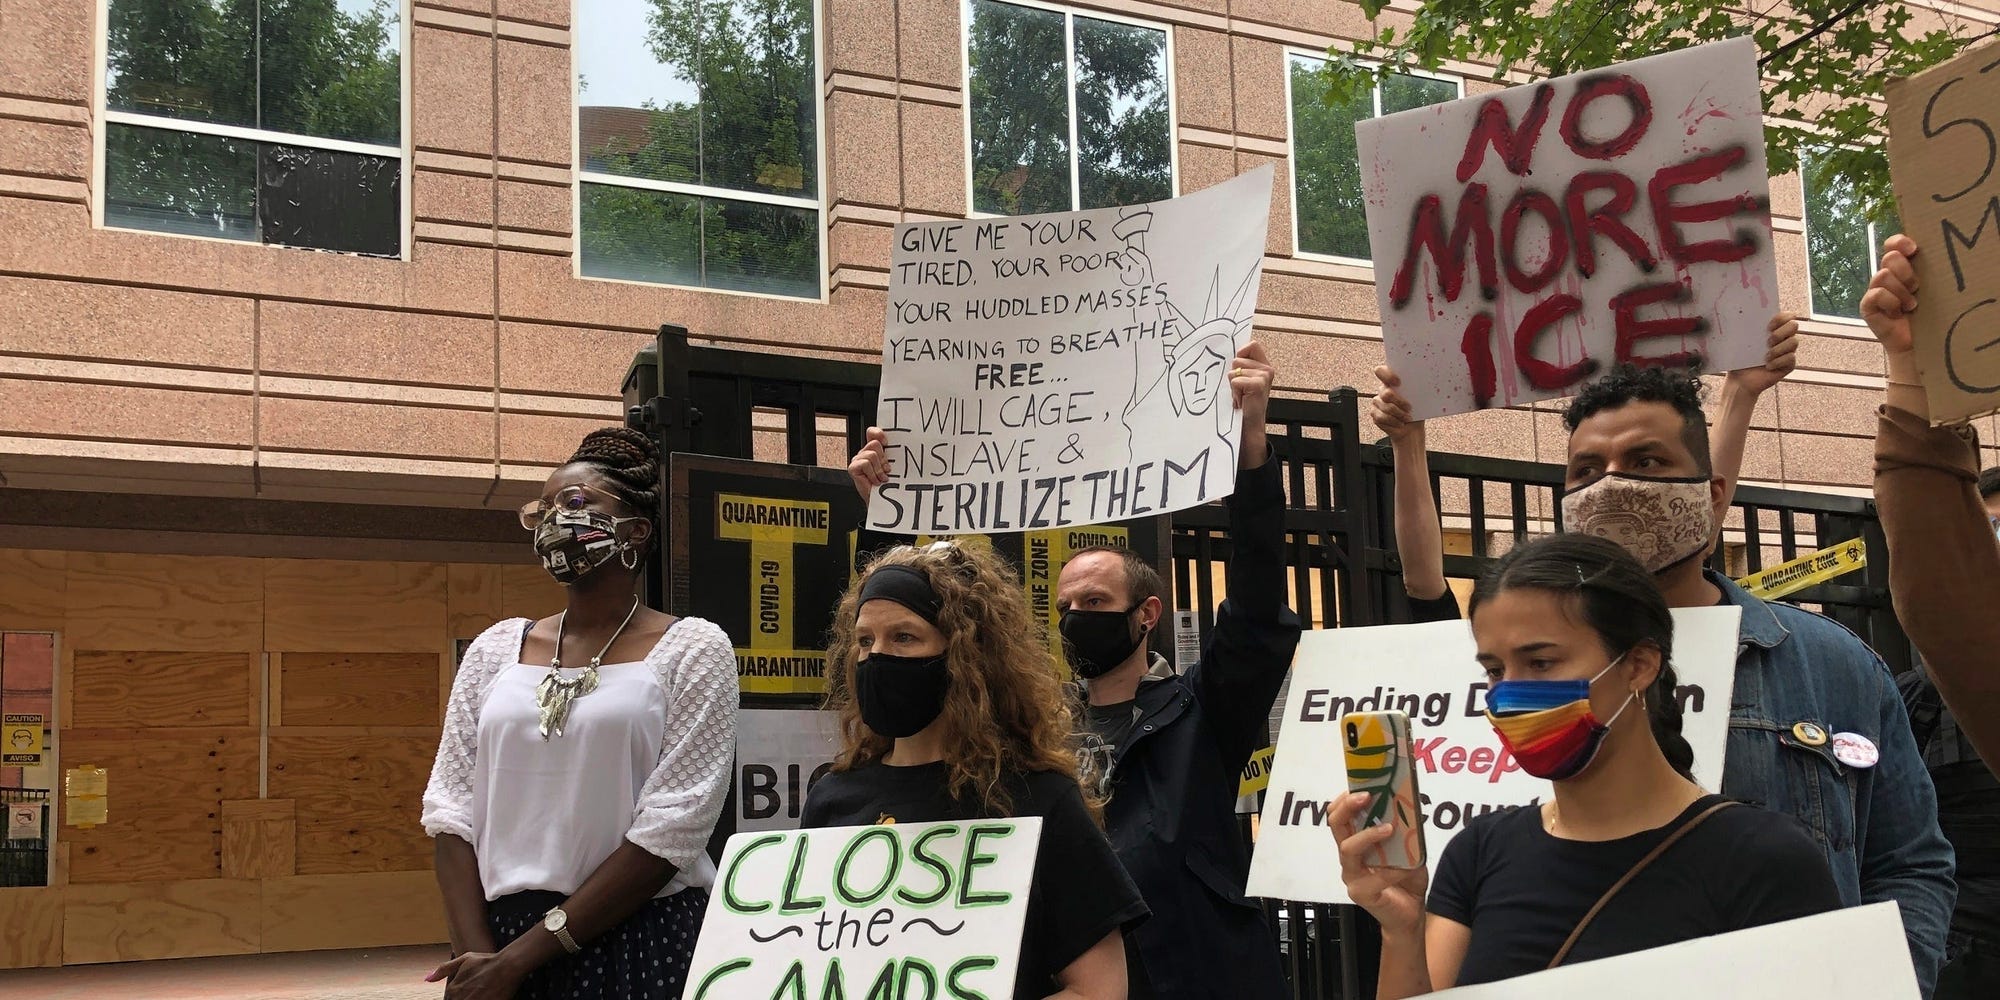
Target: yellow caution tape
[
  {"x": 1257, "y": 773},
  {"x": 1807, "y": 570}
]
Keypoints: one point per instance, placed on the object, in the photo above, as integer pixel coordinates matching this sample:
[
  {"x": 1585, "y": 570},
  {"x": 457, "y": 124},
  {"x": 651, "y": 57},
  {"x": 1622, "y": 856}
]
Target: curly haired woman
[
  {"x": 951, "y": 709},
  {"x": 584, "y": 762}
]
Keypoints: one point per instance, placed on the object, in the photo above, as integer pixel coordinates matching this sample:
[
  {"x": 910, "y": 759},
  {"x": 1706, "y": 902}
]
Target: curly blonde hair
[{"x": 1005, "y": 711}]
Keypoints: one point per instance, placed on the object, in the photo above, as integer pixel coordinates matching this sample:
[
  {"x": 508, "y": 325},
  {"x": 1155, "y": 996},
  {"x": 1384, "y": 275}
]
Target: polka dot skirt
[{"x": 645, "y": 957}]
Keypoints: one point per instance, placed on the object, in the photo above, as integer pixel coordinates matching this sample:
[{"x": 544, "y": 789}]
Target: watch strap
[
  {"x": 569, "y": 943},
  {"x": 560, "y": 929}
]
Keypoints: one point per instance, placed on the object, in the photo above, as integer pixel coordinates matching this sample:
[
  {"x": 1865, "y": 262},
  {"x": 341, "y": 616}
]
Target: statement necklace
[{"x": 554, "y": 695}]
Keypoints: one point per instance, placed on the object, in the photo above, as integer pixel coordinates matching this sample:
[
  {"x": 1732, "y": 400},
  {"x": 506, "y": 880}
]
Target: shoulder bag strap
[{"x": 1616, "y": 887}]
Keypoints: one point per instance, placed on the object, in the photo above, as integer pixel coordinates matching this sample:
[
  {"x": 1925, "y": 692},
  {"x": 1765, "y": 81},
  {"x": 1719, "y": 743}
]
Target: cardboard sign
[
  {"x": 21, "y": 739},
  {"x": 1942, "y": 161},
  {"x": 1853, "y": 954},
  {"x": 1429, "y": 673},
  {"x": 780, "y": 755},
  {"x": 1807, "y": 570},
  {"x": 1053, "y": 370},
  {"x": 1526, "y": 241},
  {"x": 916, "y": 910}
]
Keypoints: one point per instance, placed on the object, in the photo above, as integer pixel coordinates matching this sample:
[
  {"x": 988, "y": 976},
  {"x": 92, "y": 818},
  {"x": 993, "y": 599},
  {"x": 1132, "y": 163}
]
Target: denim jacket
[{"x": 1878, "y": 826}]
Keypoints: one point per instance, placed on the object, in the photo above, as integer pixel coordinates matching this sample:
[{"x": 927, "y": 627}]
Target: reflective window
[
  {"x": 1842, "y": 245},
  {"x": 1326, "y": 166}
]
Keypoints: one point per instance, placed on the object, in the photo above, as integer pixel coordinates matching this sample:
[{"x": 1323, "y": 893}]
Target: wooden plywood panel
[
  {"x": 373, "y": 910},
  {"x": 529, "y": 592},
  {"x": 259, "y": 838},
  {"x": 33, "y": 919},
  {"x": 32, "y": 589},
  {"x": 147, "y": 689},
  {"x": 147, "y": 920},
  {"x": 342, "y": 606},
  {"x": 149, "y": 602},
  {"x": 358, "y": 794},
  {"x": 165, "y": 804},
  {"x": 358, "y": 689},
  {"x": 472, "y": 599}
]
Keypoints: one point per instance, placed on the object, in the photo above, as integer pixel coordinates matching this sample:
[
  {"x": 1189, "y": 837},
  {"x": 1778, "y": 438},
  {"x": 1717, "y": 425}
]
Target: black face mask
[
  {"x": 1098, "y": 641},
  {"x": 900, "y": 695}
]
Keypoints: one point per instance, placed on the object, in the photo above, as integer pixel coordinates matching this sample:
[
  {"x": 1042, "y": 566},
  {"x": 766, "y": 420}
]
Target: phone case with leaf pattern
[{"x": 1379, "y": 763}]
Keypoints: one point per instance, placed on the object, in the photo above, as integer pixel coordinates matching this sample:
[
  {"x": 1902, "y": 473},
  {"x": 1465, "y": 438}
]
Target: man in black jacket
[{"x": 1169, "y": 749}]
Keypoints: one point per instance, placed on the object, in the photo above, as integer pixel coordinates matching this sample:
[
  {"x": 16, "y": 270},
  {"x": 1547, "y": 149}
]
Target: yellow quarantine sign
[
  {"x": 772, "y": 663},
  {"x": 1044, "y": 553},
  {"x": 1807, "y": 570}
]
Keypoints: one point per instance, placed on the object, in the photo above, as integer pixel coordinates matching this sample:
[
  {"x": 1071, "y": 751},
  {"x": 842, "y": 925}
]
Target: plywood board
[
  {"x": 149, "y": 602},
  {"x": 166, "y": 788},
  {"x": 472, "y": 599},
  {"x": 529, "y": 592},
  {"x": 33, "y": 919},
  {"x": 344, "y": 606},
  {"x": 153, "y": 689},
  {"x": 259, "y": 839},
  {"x": 358, "y": 689},
  {"x": 33, "y": 583},
  {"x": 147, "y": 920},
  {"x": 359, "y": 793},
  {"x": 374, "y": 910}
]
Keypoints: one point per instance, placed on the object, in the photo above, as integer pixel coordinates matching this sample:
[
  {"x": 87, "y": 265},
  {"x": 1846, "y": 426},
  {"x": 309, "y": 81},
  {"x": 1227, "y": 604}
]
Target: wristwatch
[{"x": 557, "y": 922}]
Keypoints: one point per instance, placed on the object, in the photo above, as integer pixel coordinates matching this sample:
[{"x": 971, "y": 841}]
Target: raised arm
[
  {"x": 1740, "y": 391},
  {"x": 1419, "y": 534}
]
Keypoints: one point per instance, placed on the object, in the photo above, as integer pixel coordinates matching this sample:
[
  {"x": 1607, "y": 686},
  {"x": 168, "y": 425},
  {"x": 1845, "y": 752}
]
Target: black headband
[{"x": 905, "y": 585}]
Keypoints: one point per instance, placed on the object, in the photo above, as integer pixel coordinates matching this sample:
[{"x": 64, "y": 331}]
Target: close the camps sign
[
  {"x": 923, "y": 911},
  {"x": 1527, "y": 240}
]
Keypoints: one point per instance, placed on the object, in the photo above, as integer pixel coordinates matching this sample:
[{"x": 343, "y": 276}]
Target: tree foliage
[{"x": 1824, "y": 61}]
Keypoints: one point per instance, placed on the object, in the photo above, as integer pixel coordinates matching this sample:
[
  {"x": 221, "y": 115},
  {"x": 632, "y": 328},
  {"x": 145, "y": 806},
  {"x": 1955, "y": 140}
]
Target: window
[
  {"x": 268, "y": 121},
  {"x": 1067, "y": 111},
  {"x": 1326, "y": 166},
  {"x": 699, "y": 134},
  {"x": 1842, "y": 245}
]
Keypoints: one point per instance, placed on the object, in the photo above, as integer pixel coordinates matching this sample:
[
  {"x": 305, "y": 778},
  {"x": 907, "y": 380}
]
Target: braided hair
[{"x": 630, "y": 463}]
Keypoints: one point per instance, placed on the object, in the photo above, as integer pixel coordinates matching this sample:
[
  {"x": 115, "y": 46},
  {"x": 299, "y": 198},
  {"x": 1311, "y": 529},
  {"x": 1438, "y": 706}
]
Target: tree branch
[{"x": 1817, "y": 30}]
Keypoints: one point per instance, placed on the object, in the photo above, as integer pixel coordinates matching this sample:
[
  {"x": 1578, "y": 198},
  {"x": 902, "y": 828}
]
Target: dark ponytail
[
  {"x": 630, "y": 463},
  {"x": 1618, "y": 600}
]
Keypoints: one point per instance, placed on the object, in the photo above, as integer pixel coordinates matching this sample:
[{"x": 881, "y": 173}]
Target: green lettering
[
  {"x": 835, "y": 988},
  {"x": 936, "y": 864},
  {"x": 792, "y": 903},
  {"x": 885, "y": 834},
  {"x": 885, "y": 984},
  {"x": 970, "y": 964},
  {"x": 730, "y": 901},
  {"x": 795, "y": 980},
  {"x": 976, "y": 859},
  {"x": 715, "y": 974},
  {"x": 929, "y": 973}
]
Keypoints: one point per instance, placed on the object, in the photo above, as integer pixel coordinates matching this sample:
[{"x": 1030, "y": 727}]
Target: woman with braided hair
[{"x": 584, "y": 761}]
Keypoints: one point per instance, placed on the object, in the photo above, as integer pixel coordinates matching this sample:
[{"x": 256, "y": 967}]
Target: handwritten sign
[
  {"x": 1942, "y": 161},
  {"x": 1852, "y": 954},
  {"x": 1525, "y": 241},
  {"x": 1047, "y": 371},
  {"x": 1428, "y": 672},
  {"x": 917, "y": 910},
  {"x": 780, "y": 755}
]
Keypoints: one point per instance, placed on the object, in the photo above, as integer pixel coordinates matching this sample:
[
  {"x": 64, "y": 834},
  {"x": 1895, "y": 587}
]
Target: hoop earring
[{"x": 629, "y": 557}]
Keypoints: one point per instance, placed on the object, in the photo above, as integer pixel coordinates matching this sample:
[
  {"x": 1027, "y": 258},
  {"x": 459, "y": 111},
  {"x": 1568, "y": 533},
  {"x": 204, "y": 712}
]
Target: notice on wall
[
  {"x": 24, "y": 820},
  {"x": 916, "y": 910},
  {"x": 780, "y": 755},
  {"x": 21, "y": 739},
  {"x": 1942, "y": 161},
  {"x": 1528, "y": 240},
  {"x": 1046, "y": 371},
  {"x": 1851, "y": 954},
  {"x": 1428, "y": 672}
]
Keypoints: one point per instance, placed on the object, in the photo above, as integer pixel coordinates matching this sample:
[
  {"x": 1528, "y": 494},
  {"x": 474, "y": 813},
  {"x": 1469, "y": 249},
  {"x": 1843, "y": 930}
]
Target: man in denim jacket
[{"x": 1817, "y": 728}]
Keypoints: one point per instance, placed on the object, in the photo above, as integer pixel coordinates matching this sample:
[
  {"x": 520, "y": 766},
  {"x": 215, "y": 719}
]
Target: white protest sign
[
  {"x": 1852, "y": 954},
  {"x": 1527, "y": 240},
  {"x": 1045, "y": 371},
  {"x": 780, "y": 755},
  {"x": 1429, "y": 673},
  {"x": 909, "y": 910}
]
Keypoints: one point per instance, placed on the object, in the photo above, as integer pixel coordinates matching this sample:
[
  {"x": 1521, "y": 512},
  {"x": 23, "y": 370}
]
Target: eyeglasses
[{"x": 569, "y": 498}]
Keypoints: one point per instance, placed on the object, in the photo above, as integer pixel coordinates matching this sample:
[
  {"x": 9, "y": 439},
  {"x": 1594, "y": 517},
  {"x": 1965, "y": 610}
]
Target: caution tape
[
  {"x": 1807, "y": 570},
  {"x": 1257, "y": 773}
]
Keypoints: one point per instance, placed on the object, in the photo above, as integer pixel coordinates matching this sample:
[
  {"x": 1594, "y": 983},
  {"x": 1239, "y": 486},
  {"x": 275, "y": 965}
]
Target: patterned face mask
[
  {"x": 1662, "y": 522},
  {"x": 1548, "y": 725},
  {"x": 572, "y": 543}
]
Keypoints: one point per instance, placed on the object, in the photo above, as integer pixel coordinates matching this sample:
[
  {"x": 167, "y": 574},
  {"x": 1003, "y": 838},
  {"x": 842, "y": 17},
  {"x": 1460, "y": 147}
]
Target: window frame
[
  {"x": 1805, "y": 227},
  {"x": 104, "y": 117},
  {"x": 818, "y": 203},
  {"x": 1070, "y": 14},
  {"x": 1288, "y": 53}
]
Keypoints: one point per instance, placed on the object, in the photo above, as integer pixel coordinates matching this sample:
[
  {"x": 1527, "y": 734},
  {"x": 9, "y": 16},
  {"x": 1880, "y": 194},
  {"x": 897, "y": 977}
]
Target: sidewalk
[{"x": 375, "y": 974}]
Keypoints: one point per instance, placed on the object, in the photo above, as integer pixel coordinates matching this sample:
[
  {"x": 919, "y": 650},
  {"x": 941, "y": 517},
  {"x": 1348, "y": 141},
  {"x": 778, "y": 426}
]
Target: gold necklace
[{"x": 554, "y": 695}]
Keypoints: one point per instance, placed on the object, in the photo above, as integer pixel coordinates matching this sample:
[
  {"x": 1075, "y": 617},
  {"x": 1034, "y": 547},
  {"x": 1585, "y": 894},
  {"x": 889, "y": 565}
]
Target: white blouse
[{"x": 645, "y": 758}]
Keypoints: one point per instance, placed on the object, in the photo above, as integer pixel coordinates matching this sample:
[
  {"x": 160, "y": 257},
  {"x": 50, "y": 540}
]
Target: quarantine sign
[{"x": 895, "y": 911}]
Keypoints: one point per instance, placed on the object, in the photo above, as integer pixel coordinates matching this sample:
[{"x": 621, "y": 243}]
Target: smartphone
[{"x": 1379, "y": 763}]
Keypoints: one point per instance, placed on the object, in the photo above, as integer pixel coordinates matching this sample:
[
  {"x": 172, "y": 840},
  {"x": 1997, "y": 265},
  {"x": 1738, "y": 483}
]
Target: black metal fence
[
  {"x": 24, "y": 861},
  {"x": 1339, "y": 536}
]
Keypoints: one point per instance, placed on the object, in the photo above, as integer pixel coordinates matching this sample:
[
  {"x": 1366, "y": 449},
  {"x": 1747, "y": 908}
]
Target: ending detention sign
[
  {"x": 897, "y": 910},
  {"x": 1046, "y": 371}
]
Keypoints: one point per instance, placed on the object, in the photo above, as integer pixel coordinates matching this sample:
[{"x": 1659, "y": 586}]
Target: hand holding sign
[
  {"x": 1390, "y": 411},
  {"x": 1780, "y": 357},
  {"x": 870, "y": 466},
  {"x": 1250, "y": 378},
  {"x": 1892, "y": 296}
]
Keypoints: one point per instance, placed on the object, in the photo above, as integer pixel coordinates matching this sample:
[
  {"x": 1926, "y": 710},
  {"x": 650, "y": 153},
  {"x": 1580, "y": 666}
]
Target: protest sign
[
  {"x": 1046, "y": 371},
  {"x": 910, "y": 910},
  {"x": 1525, "y": 241},
  {"x": 780, "y": 755},
  {"x": 1429, "y": 673},
  {"x": 1852, "y": 954},
  {"x": 1942, "y": 155}
]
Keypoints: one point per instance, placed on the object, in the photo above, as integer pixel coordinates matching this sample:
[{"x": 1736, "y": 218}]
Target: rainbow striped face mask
[{"x": 1548, "y": 725}]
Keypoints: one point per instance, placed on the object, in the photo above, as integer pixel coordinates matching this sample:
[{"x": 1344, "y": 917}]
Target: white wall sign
[
  {"x": 780, "y": 755},
  {"x": 1044, "y": 371},
  {"x": 920, "y": 910},
  {"x": 1526, "y": 240},
  {"x": 1428, "y": 672}
]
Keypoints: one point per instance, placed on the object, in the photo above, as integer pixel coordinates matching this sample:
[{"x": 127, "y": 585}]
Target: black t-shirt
[
  {"x": 1443, "y": 608},
  {"x": 1081, "y": 893},
  {"x": 1523, "y": 890}
]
